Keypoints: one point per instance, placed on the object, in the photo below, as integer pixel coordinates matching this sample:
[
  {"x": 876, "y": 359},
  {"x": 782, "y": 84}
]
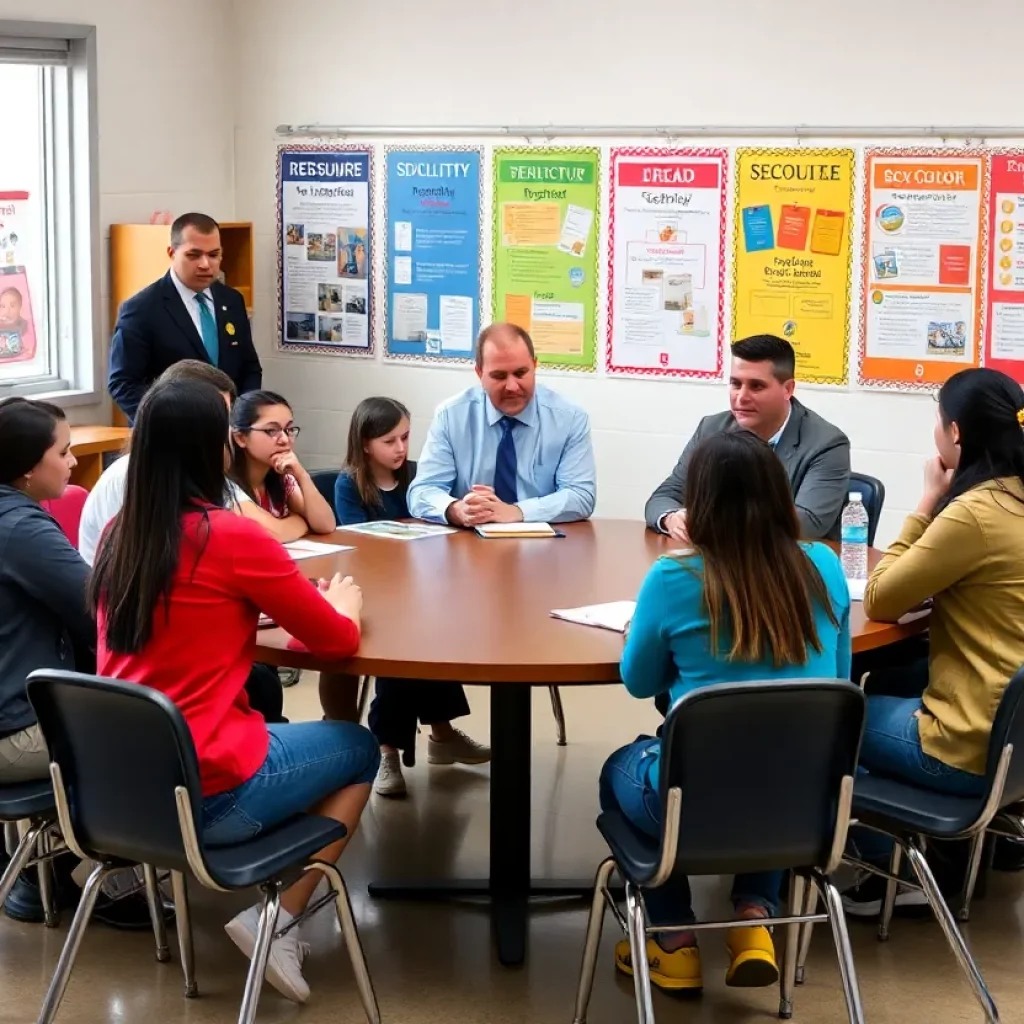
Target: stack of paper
[
  {"x": 857, "y": 588},
  {"x": 615, "y": 615},
  {"x": 299, "y": 549},
  {"x": 495, "y": 530},
  {"x": 395, "y": 530}
]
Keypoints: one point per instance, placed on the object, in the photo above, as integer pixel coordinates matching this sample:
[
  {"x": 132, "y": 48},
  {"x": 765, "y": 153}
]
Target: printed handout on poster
[
  {"x": 324, "y": 211},
  {"x": 1004, "y": 324}
]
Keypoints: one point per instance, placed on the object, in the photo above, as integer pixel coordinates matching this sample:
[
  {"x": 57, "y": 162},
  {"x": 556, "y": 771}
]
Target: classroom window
[{"x": 48, "y": 256}]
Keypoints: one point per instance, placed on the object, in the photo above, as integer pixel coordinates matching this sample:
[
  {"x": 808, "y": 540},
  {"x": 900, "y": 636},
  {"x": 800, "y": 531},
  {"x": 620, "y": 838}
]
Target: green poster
[{"x": 545, "y": 249}]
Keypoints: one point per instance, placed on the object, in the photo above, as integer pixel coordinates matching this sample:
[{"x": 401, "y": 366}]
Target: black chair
[
  {"x": 912, "y": 816},
  {"x": 41, "y": 841},
  {"x": 872, "y": 492},
  {"x": 126, "y": 783},
  {"x": 325, "y": 479},
  {"x": 754, "y": 777}
]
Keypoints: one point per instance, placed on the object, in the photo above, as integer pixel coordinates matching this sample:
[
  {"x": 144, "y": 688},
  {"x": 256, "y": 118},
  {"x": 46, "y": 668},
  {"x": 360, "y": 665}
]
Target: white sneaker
[
  {"x": 284, "y": 967},
  {"x": 460, "y": 749},
  {"x": 390, "y": 780}
]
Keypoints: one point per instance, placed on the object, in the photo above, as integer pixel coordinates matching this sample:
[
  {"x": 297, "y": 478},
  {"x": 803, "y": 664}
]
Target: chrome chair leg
[
  {"x": 891, "y": 886},
  {"x": 260, "y": 954},
  {"x": 973, "y": 866},
  {"x": 11, "y": 839},
  {"x": 183, "y": 921},
  {"x": 19, "y": 858},
  {"x": 59, "y": 983},
  {"x": 47, "y": 881},
  {"x": 946, "y": 921},
  {"x": 847, "y": 970},
  {"x": 156, "y": 913},
  {"x": 637, "y": 920},
  {"x": 806, "y": 930},
  {"x": 593, "y": 942},
  {"x": 350, "y": 932},
  {"x": 798, "y": 885},
  {"x": 366, "y": 684},
  {"x": 559, "y": 713}
]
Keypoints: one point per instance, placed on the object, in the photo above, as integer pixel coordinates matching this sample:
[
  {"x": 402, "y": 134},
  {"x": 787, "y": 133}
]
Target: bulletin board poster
[
  {"x": 324, "y": 248},
  {"x": 546, "y": 214},
  {"x": 794, "y": 258},
  {"x": 923, "y": 247},
  {"x": 1004, "y": 300},
  {"x": 19, "y": 215},
  {"x": 666, "y": 262},
  {"x": 432, "y": 253}
]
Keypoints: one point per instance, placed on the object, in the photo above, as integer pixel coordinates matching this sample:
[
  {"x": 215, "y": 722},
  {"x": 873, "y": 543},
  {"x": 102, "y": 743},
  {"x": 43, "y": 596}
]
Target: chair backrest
[
  {"x": 67, "y": 510},
  {"x": 759, "y": 767},
  {"x": 324, "y": 480},
  {"x": 122, "y": 750},
  {"x": 1008, "y": 727},
  {"x": 872, "y": 492}
]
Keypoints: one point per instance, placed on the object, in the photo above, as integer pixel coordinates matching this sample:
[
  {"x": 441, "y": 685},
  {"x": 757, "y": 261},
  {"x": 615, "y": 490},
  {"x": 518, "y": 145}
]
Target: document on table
[
  {"x": 490, "y": 531},
  {"x": 394, "y": 530},
  {"x": 615, "y": 615},
  {"x": 300, "y": 549},
  {"x": 857, "y": 588}
]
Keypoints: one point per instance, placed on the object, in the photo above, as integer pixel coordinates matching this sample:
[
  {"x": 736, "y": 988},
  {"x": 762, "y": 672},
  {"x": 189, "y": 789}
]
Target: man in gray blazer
[{"x": 816, "y": 454}]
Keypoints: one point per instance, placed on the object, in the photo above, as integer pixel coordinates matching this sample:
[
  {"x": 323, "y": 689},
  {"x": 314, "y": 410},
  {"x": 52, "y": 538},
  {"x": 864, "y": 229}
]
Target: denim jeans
[
  {"x": 624, "y": 787},
  {"x": 892, "y": 747},
  {"x": 305, "y": 763}
]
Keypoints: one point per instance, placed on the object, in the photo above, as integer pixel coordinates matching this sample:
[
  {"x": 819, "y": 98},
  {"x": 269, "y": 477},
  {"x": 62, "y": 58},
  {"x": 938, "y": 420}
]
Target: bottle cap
[{"x": 855, "y": 496}]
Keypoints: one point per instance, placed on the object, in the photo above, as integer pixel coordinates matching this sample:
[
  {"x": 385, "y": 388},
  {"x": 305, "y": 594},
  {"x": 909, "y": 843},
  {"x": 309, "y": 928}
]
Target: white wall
[
  {"x": 609, "y": 62},
  {"x": 166, "y": 114}
]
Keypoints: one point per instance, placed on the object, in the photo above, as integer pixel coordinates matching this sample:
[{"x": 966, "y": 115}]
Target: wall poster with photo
[
  {"x": 324, "y": 249},
  {"x": 21, "y": 276},
  {"x": 923, "y": 253},
  {"x": 666, "y": 263}
]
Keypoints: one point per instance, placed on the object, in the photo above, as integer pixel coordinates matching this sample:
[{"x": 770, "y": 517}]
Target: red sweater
[{"x": 201, "y": 650}]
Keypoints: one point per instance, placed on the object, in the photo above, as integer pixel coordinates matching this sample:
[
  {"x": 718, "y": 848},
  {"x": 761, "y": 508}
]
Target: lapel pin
[
  {"x": 230, "y": 328},
  {"x": 224, "y": 309}
]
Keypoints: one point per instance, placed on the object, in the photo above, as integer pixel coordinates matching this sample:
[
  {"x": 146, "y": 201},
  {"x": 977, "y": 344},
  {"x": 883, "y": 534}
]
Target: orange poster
[{"x": 923, "y": 255}]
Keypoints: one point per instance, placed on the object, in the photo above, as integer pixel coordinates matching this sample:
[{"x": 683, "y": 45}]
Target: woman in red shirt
[
  {"x": 265, "y": 465},
  {"x": 178, "y": 587}
]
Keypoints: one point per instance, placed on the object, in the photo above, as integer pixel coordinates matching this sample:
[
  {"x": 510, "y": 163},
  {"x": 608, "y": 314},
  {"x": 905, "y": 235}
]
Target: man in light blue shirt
[{"x": 509, "y": 451}]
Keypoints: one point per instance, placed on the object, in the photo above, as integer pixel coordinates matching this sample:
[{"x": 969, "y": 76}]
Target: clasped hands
[{"x": 481, "y": 506}]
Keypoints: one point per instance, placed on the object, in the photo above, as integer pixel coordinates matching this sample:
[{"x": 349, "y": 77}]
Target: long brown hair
[
  {"x": 758, "y": 581},
  {"x": 373, "y": 418}
]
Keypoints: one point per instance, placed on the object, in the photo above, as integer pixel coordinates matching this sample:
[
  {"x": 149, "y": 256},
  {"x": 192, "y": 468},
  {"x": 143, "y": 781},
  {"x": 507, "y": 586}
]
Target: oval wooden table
[{"x": 477, "y": 611}]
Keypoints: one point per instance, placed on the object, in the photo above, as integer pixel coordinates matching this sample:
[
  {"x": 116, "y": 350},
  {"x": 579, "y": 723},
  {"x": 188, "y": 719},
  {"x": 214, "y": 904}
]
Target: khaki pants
[{"x": 23, "y": 756}]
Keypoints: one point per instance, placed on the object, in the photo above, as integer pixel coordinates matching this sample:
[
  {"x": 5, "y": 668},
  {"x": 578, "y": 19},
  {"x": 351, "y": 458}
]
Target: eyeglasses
[{"x": 275, "y": 432}]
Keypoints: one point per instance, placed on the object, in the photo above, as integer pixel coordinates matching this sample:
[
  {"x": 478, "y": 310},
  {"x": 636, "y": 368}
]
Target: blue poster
[{"x": 433, "y": 252}]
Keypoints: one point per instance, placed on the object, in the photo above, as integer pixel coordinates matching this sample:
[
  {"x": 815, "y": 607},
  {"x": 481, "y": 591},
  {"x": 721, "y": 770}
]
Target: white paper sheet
[
  {"x": 299, "y": 549},
  {"x": 615, "y": 615}
]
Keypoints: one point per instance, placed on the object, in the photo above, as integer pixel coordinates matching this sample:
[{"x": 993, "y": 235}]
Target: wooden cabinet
[{"x": 138, "y": 256}]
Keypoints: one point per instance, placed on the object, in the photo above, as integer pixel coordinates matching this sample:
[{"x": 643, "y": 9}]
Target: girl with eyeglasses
[{"x": 264, "y": 463}]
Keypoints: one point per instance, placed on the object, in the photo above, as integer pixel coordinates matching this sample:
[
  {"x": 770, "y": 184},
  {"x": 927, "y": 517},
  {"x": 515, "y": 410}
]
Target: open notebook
[{"x": 614, "y": 616}]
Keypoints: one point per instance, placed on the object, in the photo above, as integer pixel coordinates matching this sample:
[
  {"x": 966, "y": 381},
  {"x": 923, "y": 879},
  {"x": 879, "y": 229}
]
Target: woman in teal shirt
[{"x": 747, "y": 602}]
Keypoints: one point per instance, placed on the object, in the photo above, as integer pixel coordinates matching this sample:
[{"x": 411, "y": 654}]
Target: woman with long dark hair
[
  {"x": 178, "y": 586},
  {"x": 265, "y": 465},
  {"x": 748, "y": 602},
  {"x": 373, "y": 485}
]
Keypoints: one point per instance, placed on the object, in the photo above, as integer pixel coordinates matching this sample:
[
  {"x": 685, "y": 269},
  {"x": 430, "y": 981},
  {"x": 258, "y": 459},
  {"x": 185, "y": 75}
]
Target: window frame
[{"x": 73, "y": 271}]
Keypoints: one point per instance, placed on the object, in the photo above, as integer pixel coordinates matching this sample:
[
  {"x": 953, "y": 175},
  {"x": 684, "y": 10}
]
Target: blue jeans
[
  {"x": 305, "y": 763},
  {"x": 892, "y": 747},
  {"x": 624, "y": 787}
]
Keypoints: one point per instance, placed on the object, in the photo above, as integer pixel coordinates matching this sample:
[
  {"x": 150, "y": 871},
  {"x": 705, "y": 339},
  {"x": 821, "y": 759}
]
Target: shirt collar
[
  {"x": 528, "y": 416},
  {"x": 187, "y": 294},
  {"x": 777, "y": 436}
]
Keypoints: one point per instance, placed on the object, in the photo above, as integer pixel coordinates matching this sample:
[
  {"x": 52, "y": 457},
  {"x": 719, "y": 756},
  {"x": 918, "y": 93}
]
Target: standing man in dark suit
[
  {"x": 815, "y": 454},
  {"x": 187, "y": 314}
]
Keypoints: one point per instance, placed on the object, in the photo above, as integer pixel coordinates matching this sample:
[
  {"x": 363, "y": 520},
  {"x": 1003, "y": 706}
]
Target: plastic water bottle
[{"x": 854, "y": 549}]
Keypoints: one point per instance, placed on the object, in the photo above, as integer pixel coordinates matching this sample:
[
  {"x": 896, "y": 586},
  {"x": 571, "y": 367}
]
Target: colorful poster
[
  {"x": 18, "y": 256},
  {"x": 793, "y": 224},
  {"x": 324, "y": 250},
  {"x": 1004, "y": 300},
  {"x": 924, "y": 221},
  {"x": 546, "y": 209},
  {"x": 666, "y": 262},
  {"x": 432, "y": 252}
]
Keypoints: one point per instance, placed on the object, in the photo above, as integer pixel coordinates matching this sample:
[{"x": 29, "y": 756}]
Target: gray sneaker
[
  {"x": 460, "y": 749},
  {"x": 390, "y": 781},
  {"x": 284, "y": 968}
]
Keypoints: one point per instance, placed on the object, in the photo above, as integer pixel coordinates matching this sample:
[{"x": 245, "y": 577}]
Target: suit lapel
[
  {"x": 790, "y": 440},
  {"x": 179, "y": 315},
  {"x": 223, "y": 313}
]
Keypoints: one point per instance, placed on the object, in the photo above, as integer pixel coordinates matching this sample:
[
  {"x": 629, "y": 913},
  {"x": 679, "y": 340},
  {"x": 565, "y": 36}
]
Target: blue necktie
[
  {"x": 505, "y": 465},
  {"x": 209, "y": 328}
]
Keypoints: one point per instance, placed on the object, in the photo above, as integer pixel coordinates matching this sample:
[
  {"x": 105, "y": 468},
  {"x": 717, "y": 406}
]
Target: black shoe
[
  {"x": 1008, "y": 854},
  {"x": 25, "y": 903},
  {"x": 289, "y": 676},
  {"x": 865, "y": 900},
  {"x": 129, "y": 913}
]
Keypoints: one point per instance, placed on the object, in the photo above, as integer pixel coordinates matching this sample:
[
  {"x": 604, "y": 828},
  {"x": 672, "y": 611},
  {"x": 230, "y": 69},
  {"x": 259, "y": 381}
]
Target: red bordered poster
[
  {"x": 1004, "y": 297},
  {"x": 666, "y": 262}
]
